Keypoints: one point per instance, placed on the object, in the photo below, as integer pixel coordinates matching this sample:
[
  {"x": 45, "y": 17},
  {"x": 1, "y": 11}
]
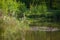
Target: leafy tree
[
  {"x": 31, "y": 2},
  {"x": 9, "y": 6}
]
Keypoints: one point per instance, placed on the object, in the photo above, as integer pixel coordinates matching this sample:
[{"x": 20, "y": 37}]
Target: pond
[{"x": 43, "y": 35}]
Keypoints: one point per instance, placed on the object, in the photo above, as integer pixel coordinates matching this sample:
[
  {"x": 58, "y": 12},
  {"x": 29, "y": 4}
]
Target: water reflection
[
  {"x": 43, "y": 33},
  {"x": 44, "y": 29},
  {"x": 55, "y": 35}
]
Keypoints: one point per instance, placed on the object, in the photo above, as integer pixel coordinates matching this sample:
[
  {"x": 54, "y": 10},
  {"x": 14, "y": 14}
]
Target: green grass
[{"x": 11, "y": 28}]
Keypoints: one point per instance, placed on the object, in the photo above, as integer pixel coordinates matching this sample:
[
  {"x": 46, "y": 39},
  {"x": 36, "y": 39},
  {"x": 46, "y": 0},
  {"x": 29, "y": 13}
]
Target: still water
[{"x": 42, "y": 35}]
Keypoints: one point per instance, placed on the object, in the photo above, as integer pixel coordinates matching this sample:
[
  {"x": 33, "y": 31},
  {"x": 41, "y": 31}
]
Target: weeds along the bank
[{"x": 11, "y": 28}]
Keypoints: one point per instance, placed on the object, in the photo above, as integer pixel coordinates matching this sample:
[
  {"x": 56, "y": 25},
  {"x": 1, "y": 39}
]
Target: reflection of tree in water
[{"x": 53, "y": 35}]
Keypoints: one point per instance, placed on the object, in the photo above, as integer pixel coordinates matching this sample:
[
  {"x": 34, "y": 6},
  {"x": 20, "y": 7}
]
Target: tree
[{"x": 9, "y": 6}]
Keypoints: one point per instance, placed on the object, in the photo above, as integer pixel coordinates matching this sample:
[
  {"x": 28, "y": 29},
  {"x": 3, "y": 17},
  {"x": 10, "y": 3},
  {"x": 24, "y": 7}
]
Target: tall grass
[{"x": 11, "y": 28}]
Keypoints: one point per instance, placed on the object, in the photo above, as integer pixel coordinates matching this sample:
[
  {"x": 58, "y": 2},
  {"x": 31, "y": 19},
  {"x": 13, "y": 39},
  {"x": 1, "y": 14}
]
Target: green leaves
[{"x": 8, "y": 6}]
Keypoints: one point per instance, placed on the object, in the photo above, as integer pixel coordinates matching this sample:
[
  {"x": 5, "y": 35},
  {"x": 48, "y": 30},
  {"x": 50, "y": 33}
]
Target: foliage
[
  {"x": 9, "y": 6},
  {"x": 22, "y": 9},
  {"x": 31, "y": 12},
  {"x": 9, "y": 25},
  {"x": 11, "y": 28}
]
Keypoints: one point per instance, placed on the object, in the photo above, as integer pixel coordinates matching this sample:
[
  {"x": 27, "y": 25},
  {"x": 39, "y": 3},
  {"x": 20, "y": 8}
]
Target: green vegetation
[{"x": 17, "y": 16}]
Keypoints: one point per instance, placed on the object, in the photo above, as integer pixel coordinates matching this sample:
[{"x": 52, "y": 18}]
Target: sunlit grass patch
[{"x": 11, "y": 28}]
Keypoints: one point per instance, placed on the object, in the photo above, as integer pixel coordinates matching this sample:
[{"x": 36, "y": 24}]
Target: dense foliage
[{"x": 17, "y": 15}]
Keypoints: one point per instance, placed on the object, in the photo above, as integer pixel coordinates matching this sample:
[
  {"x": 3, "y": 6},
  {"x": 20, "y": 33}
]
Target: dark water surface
[{"x": 43, "y": 35}]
